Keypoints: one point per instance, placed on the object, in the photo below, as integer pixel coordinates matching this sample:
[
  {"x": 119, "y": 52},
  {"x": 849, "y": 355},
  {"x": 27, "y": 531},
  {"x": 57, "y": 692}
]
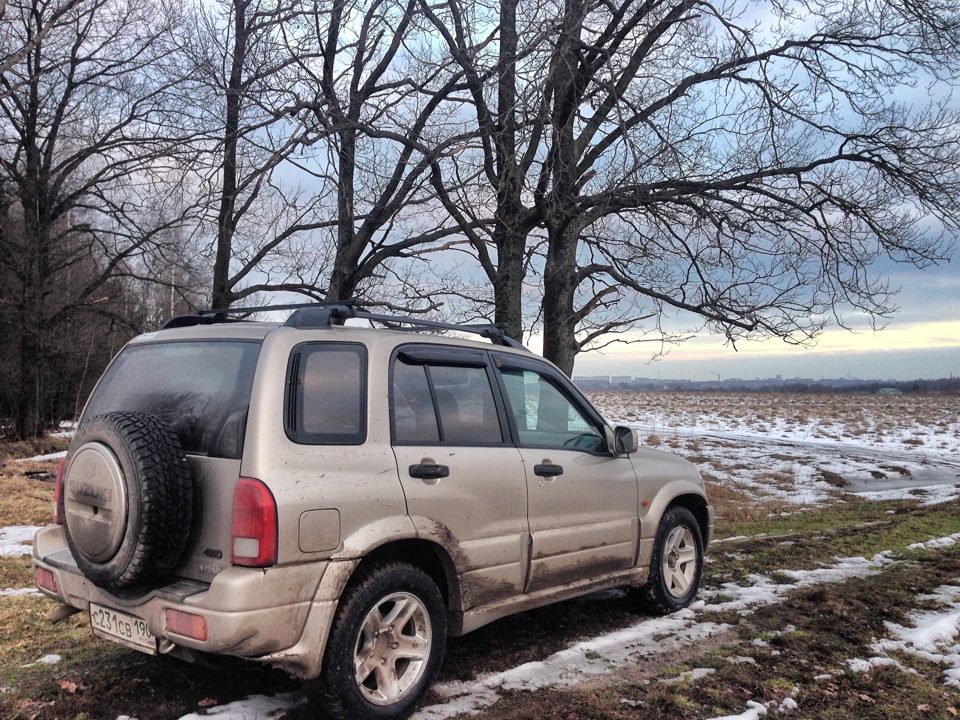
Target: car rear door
[{"x": 463, "y": 479}]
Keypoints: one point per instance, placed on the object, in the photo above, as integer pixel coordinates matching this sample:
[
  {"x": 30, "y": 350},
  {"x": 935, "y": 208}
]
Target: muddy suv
[{"x": 338, "y": 500}]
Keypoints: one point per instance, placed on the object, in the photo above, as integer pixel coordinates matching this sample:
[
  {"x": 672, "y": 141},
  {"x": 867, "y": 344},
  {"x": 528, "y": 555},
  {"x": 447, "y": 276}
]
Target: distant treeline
[{"x": 950, "y": 386}]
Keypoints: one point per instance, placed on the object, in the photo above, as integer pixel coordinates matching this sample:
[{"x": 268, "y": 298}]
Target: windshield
[{"x": 201, "y": 390}]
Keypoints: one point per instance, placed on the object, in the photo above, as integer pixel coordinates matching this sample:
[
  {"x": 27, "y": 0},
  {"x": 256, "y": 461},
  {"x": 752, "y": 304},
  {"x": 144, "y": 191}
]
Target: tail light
[
  {"x": 58, "y": 494},
  {"x": 187, "y": 624},
  {"x": 254, "y": 529},
  {"x": 45, "y": 579}
]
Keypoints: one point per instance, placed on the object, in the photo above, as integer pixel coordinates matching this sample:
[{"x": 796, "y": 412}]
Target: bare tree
[
  {"x": 755, "y": 170},
  {"x": 87, "y": 160},
  {"x": 740, "y": 166},
  {"x": 14, "y": 47},
  {"x": 502, "y": 51},
  {"x": 256, "y": 157},
  {"x": 383, "y": 102}
]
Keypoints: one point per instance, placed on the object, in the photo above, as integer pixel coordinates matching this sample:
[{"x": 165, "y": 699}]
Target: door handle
[
  {"x": 428, "y": 471},
  {"x": 547, "y": 470}
]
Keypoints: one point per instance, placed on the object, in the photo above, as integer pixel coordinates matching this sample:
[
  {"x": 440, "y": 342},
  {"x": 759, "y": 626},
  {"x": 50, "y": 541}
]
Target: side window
[
  {"x": 326, "y": 397},
  {"x": 443, "y": 404},
  {"x": 545, "y": 416},
  {"x": 468, "y": 413},
  {"x": 414, "y": 417}
]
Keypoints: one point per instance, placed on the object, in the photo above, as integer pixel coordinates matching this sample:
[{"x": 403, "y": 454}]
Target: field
[{"x": 832, "y": 590}]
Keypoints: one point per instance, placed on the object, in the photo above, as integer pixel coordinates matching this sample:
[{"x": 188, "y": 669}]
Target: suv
[{"x": 338, "y": 500}]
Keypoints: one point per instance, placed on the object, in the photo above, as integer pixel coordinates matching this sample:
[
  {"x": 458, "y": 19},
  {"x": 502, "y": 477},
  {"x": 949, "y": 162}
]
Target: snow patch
[
  {"x": 17, "y": 539},
  {"x": 936, "y": 543},
  {"x": 933, "y": 637},
  {"x": 255, "y": 707},
  {"x": 51, "y": 456},
  {"x": 754, "y": 711},
  {"x": 20, "y": 591}
]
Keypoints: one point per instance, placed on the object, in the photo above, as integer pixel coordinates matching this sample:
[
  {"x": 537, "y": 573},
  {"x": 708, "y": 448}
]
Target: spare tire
[{"x": 127, "y": 499}]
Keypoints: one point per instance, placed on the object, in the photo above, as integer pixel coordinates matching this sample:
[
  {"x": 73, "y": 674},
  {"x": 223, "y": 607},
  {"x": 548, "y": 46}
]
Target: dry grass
[
  {"x": 870, "y": 419},
  {"x": 30, "y": 448},
  {"x": 27, "y": 499},
  {"x": 97, "y": 679}
]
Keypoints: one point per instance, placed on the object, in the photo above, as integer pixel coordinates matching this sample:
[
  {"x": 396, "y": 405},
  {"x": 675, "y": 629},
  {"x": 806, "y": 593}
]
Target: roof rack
[{"x": 326, "y": 314}]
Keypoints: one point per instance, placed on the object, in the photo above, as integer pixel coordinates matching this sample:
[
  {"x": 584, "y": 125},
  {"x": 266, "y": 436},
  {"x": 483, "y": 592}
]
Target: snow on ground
[
  {"x": 40, "y": 458},
  {"x": 257, "y": 707},
  {"x": 936, "y": 543},
  {"x": 935, "y": 636},
  {"x": 20, "y": 591},
  {"x": 929, "y": 423},
  {"x": 754, "y": 711},
  {"x": 590, "y": 658},
  {"x": 17, "y": 540},
  {"x": 777, "y": 448},
  {"x": 757, "y": 443},
  {"x": 647, "y": 638}
]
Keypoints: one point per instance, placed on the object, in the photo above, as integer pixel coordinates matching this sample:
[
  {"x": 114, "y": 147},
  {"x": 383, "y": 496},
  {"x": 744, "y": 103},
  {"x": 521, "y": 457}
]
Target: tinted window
[
  {"x": 545, "y": 415},
  {"x": 468, "y": 413},
  {"x": 437, "y": 403},
  {"x": 201, "y": 390},
  {"x": 328, "y": 402},
  {"x": 414, "y": 417}
]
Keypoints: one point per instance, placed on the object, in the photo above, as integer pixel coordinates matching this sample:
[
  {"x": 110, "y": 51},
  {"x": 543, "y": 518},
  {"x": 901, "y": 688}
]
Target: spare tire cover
[{"x": 127, "y": 499}]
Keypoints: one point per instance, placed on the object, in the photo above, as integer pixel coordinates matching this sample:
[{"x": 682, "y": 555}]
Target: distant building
[{"x": 592, "y": 382}]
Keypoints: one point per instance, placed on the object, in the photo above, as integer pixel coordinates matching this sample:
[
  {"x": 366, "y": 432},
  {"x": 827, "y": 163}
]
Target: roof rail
[
  {"x": 223, "y": 315},
  {"x": 326, "y": 314}
]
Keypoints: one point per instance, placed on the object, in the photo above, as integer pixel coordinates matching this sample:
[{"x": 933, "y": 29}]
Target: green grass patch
[
  {"x": 808, "y": 640},
  {"x": 812, "y": 539}
]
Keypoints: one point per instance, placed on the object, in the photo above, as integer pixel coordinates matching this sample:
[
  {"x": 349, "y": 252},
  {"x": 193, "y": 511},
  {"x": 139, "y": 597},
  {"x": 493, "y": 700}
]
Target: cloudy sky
[{"x": 921, "y": 341}]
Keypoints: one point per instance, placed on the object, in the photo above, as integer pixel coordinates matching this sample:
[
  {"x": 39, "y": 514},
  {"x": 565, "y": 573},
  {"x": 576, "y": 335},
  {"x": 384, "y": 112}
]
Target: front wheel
[
  {"x": 677, "y": 564},
  {"x": 386, "y": 645}
]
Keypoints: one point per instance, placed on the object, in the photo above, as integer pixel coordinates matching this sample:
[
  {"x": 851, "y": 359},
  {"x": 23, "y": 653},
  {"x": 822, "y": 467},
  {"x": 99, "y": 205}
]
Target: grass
[
  {"x": 806, "y": 642},
  {"x": 802, "y": 653},
  {"x": 911, "y": 420},
  {"x": 31, "y": 448}
]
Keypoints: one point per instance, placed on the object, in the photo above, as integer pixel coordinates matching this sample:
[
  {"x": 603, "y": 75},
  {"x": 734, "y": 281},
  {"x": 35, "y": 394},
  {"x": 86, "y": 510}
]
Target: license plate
[{"x": 123, "y": 628}]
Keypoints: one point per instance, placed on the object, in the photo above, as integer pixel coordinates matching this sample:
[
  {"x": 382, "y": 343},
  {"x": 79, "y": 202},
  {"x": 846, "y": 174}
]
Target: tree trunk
[
  {"x": 560, "y": 344},
  {"x": 28, "y": 423},
  {"x": 343, "y": 277},
  {"x": 223, "y": 294},
  {"x": 508, "y": 282},
  {"x": 510, "y": 235}
]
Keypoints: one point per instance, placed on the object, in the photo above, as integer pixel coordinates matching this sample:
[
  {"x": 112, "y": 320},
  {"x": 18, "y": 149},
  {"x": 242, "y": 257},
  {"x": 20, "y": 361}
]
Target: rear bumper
[{"x": 259, "y": 614}]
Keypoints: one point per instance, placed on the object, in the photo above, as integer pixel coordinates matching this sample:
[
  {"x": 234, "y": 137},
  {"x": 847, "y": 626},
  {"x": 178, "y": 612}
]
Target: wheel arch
[
  {"x": 685, "y": 493},
  {"x": 429, "y": 556},
  {"x": 702, "y": 512}
]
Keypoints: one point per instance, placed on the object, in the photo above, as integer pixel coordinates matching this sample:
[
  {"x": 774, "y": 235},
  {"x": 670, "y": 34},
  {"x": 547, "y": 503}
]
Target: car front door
[{"x": 582, "y": 501}]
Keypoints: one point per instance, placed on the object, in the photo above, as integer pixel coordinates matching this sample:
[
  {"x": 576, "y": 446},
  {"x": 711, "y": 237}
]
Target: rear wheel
[
  {"x": 677, "y": 564},
  {"x": 386, "y": 645}
]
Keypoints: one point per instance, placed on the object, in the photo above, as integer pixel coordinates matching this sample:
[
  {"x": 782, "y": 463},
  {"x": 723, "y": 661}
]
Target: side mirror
[{"x": 626, "y": 441}]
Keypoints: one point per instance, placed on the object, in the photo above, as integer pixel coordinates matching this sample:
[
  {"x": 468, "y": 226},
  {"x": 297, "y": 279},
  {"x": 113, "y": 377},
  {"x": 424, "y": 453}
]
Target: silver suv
[{"x": 338, "y": 500}]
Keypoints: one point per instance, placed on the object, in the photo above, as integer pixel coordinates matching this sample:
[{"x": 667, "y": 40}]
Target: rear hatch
[{"x": 201, "y": 390}]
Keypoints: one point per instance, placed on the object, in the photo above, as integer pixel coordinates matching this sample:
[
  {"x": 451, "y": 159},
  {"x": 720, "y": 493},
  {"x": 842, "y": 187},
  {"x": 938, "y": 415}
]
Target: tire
[
  {"x": 127, "y": 500},
  {"x": 677, "y": 564},
  {"x": 374, "y": 670}
]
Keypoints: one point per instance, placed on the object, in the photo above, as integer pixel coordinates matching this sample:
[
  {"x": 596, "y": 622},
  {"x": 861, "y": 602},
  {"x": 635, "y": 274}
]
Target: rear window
[{"x": 201, "y": 390}]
